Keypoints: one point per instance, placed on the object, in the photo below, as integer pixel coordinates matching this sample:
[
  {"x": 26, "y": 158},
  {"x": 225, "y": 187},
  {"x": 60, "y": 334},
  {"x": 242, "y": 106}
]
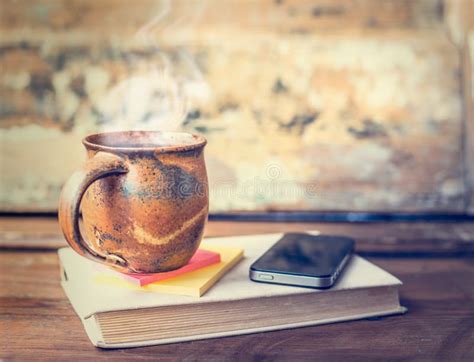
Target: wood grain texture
[
  {"x": 404, "y": 238},
  {"x": 38, "y": 322}
]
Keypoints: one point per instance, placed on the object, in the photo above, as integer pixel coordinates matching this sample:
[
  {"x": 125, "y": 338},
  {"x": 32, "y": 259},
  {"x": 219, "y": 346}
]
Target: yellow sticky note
[{"x": 194, "y": 283}]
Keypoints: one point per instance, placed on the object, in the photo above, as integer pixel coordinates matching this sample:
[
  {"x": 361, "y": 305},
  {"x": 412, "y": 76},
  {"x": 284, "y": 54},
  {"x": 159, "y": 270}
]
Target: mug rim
[{"x": 91, "y": 144}]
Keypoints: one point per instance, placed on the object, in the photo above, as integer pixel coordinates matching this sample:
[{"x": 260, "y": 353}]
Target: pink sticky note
[{"x": 201, "y": 259}]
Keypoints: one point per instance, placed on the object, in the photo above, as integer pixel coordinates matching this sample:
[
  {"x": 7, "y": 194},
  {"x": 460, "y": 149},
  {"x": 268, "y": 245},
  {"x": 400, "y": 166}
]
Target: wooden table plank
[
  {"x": 37, "y": 321},
  {"x": 448, "y": 238}
]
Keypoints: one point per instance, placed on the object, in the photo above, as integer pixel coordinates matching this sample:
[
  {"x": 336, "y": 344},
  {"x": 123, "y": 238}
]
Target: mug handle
[{"x": 100, "y": 165}]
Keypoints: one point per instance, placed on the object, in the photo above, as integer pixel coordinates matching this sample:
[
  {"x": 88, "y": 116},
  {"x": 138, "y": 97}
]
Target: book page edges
[{"x": 94, "y": 335}]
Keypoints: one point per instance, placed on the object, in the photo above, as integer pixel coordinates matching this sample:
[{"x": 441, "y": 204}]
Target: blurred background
[{"x": 363, "y": 105}]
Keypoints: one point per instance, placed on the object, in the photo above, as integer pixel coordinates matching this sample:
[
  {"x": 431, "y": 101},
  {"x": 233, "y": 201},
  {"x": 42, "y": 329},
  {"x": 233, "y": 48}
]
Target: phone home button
[{"x": 265, "y": 277}]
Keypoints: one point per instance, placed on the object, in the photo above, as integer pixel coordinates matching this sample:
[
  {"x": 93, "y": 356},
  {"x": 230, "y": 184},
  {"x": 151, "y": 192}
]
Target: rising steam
[{"x": 161, "y": 92}]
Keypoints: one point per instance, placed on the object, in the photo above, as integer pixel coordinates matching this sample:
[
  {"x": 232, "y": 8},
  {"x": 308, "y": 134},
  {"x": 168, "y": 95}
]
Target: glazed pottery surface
[{"x": 144, "y": 198}]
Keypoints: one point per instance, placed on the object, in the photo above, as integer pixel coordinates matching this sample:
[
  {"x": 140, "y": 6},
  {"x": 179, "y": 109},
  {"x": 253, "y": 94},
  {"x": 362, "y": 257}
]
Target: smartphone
[{"x": 304, "y": 260}]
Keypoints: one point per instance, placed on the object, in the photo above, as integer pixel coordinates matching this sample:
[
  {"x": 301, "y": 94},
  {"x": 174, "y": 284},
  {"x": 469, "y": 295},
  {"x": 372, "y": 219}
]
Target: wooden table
[{"x": 435, "y": 262}]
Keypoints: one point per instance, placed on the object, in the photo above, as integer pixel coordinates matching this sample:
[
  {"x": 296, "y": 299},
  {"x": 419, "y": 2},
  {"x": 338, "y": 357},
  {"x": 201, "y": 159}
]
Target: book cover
[
  {"x": 363, "y": 290},
  {"x": 89, "y": 298}
]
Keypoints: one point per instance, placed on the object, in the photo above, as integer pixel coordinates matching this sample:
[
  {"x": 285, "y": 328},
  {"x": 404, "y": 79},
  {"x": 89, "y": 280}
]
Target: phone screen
[{"x": 305, "y": 254}]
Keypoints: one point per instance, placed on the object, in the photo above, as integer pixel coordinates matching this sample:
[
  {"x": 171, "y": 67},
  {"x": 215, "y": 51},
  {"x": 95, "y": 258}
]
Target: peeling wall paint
[{"x": 295, "y": 120}]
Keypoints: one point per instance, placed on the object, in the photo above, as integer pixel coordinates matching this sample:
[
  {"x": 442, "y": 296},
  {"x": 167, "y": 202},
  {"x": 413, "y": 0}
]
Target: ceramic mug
[{"x": 144, "y": 199}]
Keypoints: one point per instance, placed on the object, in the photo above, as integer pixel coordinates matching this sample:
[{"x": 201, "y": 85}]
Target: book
[
  {"x": 120, "y": 317},
  {"x": 200, "y": 259},
  {"x": 193, "y": 284}
]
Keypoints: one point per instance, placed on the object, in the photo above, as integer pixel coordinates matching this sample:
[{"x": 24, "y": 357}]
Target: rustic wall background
[{"x": 314, "y": 105}]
